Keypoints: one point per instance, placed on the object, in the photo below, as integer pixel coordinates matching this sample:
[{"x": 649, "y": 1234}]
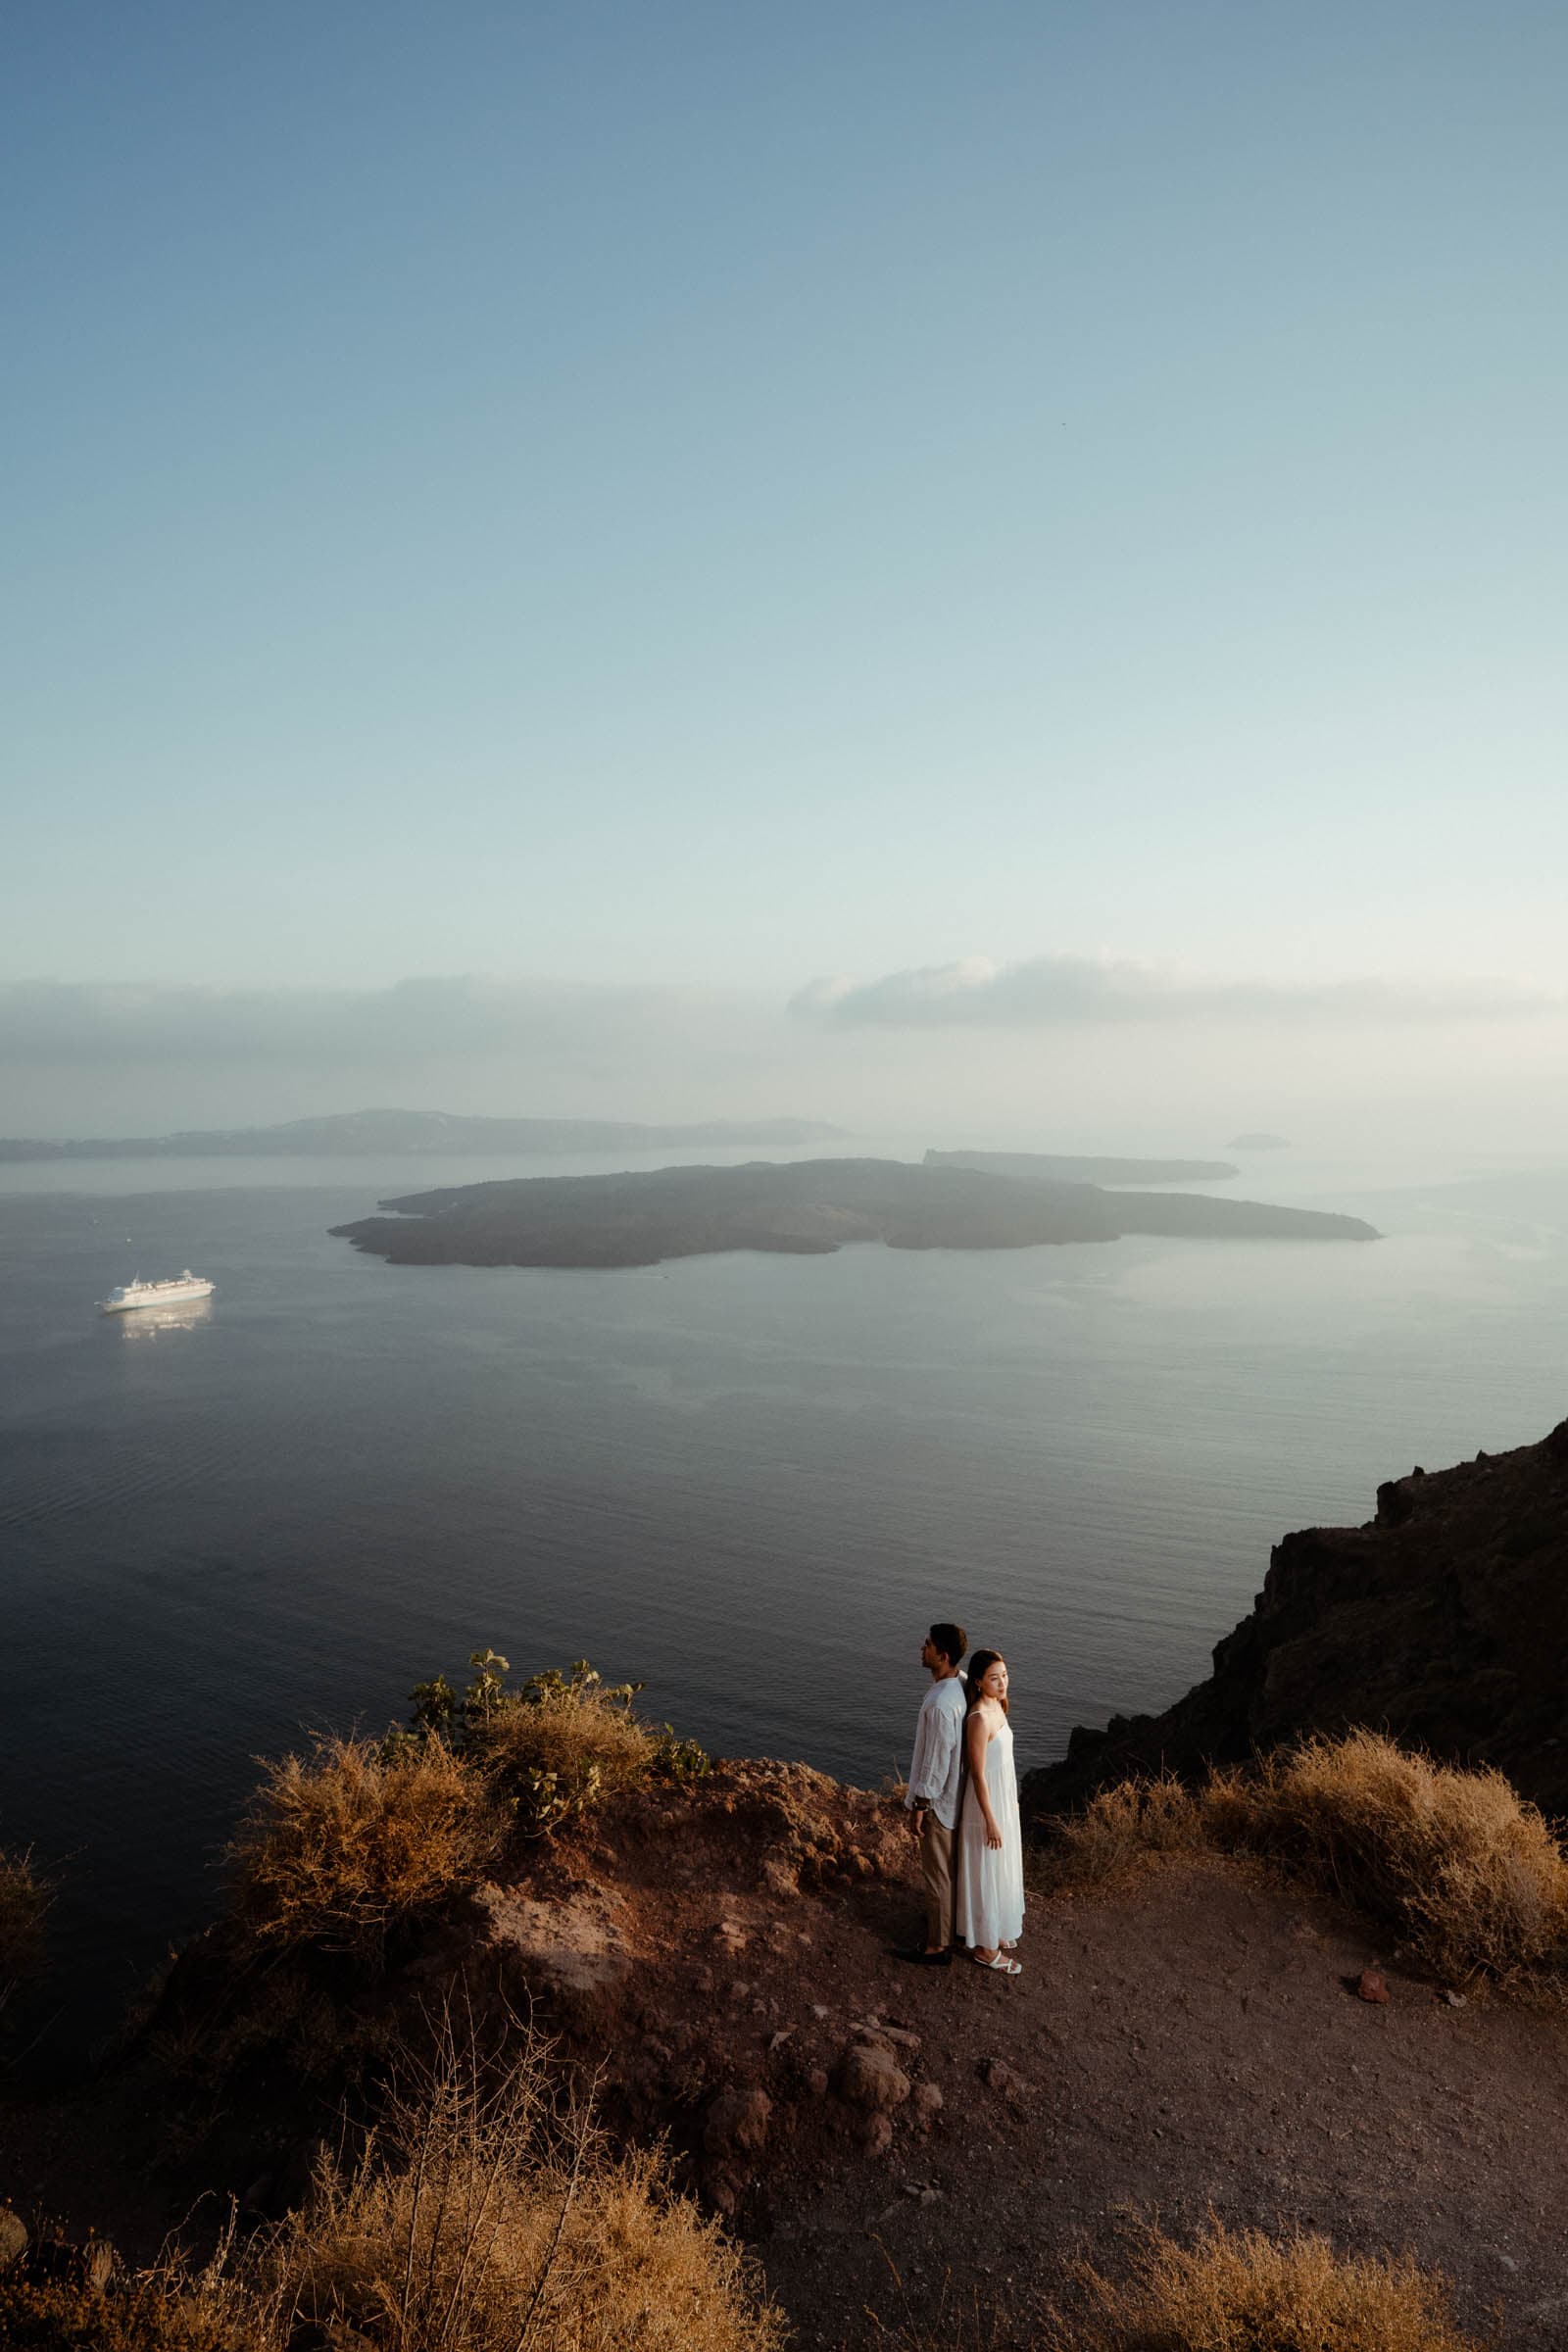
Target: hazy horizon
[{"x": 996, "y": 572}]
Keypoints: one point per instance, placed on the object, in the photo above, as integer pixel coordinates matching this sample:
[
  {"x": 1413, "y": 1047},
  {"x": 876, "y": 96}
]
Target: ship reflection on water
[{"x": 147, "y": 1322}]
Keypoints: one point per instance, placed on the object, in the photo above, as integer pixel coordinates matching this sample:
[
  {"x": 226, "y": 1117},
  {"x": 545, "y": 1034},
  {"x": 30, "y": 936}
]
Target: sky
[{"x": 708, "y": 559}]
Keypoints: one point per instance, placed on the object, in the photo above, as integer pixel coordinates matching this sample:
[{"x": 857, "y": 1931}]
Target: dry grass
[
  {"x": 1123, "y": 1826},
  {"x": 1244, "y": 2292},
  {"x": 1469, "y": 1875},
  {"x": 487, "y": 2215},
  {"x": 160, "y": 2313},
  {"x": 950, "y": 2318},
  {"x": 487, "y": 2218},
  {"x": 339, "y": 1847}
]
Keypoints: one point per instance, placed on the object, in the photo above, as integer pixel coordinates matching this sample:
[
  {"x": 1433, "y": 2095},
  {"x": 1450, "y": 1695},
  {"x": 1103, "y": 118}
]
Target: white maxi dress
[{"x": 991, "y": 1879}]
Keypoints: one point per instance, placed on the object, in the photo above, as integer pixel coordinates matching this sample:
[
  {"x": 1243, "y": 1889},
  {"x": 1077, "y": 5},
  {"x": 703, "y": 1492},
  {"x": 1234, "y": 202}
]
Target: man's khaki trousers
[{"x": 936, "y": 1869}]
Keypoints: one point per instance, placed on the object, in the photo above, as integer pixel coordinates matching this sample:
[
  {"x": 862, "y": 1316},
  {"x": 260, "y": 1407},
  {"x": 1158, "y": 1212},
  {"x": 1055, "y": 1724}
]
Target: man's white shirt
[{"x": 938, "y": 1757}]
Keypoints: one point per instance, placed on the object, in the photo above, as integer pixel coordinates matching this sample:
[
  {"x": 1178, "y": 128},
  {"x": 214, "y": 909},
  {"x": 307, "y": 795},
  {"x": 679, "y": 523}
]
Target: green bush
[{"x": 555, "y": 1746}]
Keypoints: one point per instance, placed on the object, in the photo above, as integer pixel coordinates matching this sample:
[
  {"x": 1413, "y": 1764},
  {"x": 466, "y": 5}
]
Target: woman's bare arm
[{"x": 977, "y": 1737}]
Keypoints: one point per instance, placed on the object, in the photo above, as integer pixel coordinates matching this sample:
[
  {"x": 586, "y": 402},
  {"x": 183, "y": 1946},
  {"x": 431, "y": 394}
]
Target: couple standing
[{"x": 963, "y": 1799}]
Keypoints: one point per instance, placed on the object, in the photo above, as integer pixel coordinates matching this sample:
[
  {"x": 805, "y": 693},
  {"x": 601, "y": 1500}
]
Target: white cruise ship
[{"x": 178, "y": 1287}]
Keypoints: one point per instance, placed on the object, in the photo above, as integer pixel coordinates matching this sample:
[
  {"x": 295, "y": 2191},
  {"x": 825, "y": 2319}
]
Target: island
[
  {"x": 1057, "y": 1167},
  {"x": 801, "y": 1209},
  {"x": 359, "y": 1134}
]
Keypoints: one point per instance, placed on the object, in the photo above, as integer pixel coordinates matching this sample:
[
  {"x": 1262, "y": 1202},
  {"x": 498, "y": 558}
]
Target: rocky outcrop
[
  {"x": 1444, "y": 1620},
  {"x": 702, "y": 1953}
]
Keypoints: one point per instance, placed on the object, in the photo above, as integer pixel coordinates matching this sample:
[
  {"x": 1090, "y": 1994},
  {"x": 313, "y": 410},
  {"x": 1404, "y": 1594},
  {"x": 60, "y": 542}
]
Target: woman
[{"x": 990, "y": 1857}]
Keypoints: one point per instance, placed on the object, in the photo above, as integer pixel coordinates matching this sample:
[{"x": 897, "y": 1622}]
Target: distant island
[
  {"x": 1055, "y": 1167},
  {"x": 360, "y": 1134},
  {"x": 1259, "y": 1141},
  {"x": 803, "y": 1208}
]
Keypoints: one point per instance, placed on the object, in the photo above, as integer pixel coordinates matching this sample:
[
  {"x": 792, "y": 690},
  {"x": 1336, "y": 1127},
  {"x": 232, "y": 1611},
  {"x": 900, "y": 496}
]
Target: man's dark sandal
[{"x": 922, "y": 1959}]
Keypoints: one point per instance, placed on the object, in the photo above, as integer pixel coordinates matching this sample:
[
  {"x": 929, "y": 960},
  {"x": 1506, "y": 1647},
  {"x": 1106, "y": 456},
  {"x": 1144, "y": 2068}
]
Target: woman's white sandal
[{"x": 1001, "y": 1964}]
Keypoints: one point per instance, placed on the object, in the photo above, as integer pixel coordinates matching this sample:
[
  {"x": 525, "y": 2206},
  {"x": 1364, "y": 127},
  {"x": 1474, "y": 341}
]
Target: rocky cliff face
[{"x": 1444, "y": 1620}]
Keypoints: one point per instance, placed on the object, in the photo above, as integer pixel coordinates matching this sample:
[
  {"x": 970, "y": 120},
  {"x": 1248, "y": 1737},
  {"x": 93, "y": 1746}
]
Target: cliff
[
  {"x": 1443, "y": 1620},
  {"x": 720, "y": 1962},
  {"x": 807, "y": 1207}
]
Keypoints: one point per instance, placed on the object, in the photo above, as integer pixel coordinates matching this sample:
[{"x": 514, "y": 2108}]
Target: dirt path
[{"x": 1187, "y": 2044}]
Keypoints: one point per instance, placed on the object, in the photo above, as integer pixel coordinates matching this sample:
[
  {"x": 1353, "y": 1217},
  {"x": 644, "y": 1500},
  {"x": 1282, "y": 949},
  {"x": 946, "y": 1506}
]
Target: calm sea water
[{"x": 749, "y": 1480}]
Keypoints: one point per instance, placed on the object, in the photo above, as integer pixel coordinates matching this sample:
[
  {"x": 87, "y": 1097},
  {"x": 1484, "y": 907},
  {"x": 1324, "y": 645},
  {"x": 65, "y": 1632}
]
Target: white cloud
[{"x": 1053, "y": 990}]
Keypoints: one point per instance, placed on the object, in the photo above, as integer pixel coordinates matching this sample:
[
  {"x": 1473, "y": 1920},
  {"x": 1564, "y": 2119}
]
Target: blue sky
[{"x": 720, "y": 496}]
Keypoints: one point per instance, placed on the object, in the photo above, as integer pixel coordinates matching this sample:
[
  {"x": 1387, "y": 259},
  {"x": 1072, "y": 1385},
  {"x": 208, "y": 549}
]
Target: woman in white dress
[{"x": 989, "y": 1856}]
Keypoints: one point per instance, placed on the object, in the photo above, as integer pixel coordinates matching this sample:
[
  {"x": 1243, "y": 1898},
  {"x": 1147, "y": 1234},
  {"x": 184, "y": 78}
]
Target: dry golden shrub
[
  {"x": 162, "y": 2312},
  {"x": 1245, "y": 2293},
  {"x": 488, "y": 2216},
  {"x": 340, "y": 1846},
  {"x": 1467, "y": 1871},
  {"x": 644, "y": 2266},
  {"x": 1122, "y": 1825}
]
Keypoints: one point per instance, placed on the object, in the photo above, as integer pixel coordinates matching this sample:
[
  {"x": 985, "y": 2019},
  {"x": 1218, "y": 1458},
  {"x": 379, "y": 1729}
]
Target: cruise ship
[{"x": 178, "y": 1287}]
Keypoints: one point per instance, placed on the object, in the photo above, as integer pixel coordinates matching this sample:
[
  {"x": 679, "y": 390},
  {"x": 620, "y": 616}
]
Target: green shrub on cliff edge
[
  {"x": 1466, "y": 1873},
  {"x": 554, "y": 1745},
  {"x": 340, "y": 1847}
]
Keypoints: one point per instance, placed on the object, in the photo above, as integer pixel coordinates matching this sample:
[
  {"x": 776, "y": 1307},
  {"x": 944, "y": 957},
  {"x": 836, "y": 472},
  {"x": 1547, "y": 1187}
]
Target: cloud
[
  {"x": 1055, "y": 990},
  {"x": 67, "y": 1023}
]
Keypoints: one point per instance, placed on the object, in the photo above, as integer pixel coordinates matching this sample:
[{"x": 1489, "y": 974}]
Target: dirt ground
[
  {"x": 1190, "y": 2045},
  {"x": 1191, "y": 2041}
]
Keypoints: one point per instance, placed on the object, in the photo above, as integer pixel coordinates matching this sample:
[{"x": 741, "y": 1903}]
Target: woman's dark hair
[
  {"x": 950, "y": 1641},
  {"x": 980, "y": 1666}
]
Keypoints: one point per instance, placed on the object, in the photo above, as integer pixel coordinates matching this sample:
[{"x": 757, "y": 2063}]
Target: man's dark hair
[{"x": 951, "y": 1640}]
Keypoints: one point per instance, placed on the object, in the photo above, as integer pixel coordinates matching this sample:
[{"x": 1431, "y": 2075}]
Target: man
[{"x": 932, "y": 1796}]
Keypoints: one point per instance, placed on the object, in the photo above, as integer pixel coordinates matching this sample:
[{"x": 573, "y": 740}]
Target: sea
[{"x": 748, "y": 1482}]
